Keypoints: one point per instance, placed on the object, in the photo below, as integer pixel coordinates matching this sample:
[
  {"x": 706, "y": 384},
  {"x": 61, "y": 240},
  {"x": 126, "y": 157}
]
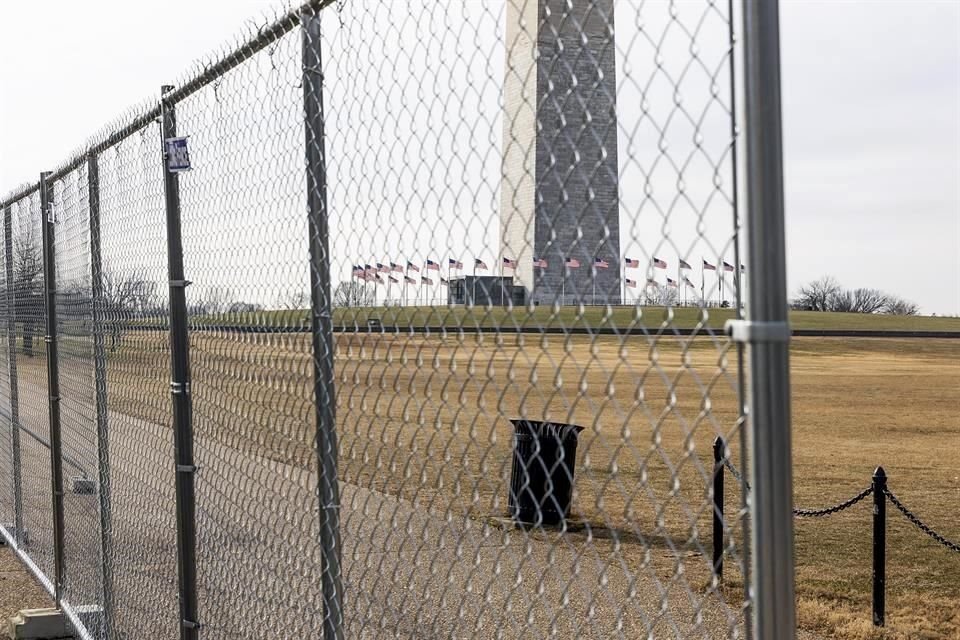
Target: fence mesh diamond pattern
[{"x": 449, "y": 271}]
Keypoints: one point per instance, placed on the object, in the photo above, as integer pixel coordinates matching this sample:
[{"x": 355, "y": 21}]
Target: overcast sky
[{"x": 871, "y": 119}]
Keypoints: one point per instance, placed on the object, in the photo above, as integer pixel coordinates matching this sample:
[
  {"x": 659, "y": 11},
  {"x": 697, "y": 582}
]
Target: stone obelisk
[{"x": 559, "y": 196}]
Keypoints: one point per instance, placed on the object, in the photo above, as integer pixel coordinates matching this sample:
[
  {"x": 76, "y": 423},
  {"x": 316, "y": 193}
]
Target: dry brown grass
[{"x": 427, "y": 418}]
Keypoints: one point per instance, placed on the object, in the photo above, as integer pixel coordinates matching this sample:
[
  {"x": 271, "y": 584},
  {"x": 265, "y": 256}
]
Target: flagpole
[
  {"x": 501, "y": 281},
  {"x": 703, "y": 279}
]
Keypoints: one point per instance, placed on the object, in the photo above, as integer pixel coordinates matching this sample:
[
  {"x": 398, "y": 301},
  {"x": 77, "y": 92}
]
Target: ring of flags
[{"x": 372, "y": 273}]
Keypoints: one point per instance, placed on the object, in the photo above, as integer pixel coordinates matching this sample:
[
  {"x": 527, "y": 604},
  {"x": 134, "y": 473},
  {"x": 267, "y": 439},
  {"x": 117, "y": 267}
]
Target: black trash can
[{"x": 544, "y": 463}]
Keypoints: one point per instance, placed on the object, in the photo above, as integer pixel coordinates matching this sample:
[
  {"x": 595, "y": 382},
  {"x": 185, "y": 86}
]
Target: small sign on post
[{"x": 178, "y": 156}]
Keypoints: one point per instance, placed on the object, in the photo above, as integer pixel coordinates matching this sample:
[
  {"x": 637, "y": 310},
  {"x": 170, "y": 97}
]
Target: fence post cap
[
  {"x": 718, "y": 447},
  {"x": 879, "y": 473}
]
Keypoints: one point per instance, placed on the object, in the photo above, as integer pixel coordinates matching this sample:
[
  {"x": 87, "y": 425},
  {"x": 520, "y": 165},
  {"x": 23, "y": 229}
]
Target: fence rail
[{"x": 306, "y": 473}]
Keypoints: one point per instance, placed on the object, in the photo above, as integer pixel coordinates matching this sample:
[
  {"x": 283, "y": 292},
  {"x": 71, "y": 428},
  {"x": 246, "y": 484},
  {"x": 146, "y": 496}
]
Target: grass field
[
  {"x": 627, "y": 316},
  {"x": 427, "y": 418}
]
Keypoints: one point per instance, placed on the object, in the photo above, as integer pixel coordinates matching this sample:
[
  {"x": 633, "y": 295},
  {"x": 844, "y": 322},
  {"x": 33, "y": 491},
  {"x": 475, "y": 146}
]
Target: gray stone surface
[{"x": 560, "y": 188}]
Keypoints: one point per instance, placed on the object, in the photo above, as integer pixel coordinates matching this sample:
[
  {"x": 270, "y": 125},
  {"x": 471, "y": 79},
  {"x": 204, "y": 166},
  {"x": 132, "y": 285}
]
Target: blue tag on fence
[{"x": 178, "y": 156}]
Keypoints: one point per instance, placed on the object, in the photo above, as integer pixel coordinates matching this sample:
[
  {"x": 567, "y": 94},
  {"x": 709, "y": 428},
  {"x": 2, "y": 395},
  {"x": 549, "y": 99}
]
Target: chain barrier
[
  {"x": 804, "y": 513},
  {"x": 953, "y": 546},
  {"x": 817, "y": 513},
  {"x": 735, "y": 473}
]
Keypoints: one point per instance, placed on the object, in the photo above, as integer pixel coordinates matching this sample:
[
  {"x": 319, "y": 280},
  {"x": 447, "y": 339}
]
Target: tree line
[{"x": 827, "y": 294}]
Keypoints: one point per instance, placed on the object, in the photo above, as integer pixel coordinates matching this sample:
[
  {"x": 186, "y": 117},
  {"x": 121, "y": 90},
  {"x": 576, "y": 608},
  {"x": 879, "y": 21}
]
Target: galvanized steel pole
[
  {"x": 322, "y": 325},
  {"x": 12, "y": 371},
  {"x": 184, "y": 466},
  {"x": 100, "y": 395},
  {"x": 53, "y": 380},
  {"x": 766, "y": 331}
]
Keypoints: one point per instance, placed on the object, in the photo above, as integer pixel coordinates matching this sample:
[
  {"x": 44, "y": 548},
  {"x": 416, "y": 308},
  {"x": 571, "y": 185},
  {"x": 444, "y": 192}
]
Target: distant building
[{"x": 497, "y": 291}]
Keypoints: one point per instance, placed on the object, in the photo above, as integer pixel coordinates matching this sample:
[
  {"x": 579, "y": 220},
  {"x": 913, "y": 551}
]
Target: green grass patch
[{"x": 651, "y": 318}]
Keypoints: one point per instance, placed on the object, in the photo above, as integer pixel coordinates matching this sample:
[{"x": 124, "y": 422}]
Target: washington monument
[{"x": 559, "y": 192}]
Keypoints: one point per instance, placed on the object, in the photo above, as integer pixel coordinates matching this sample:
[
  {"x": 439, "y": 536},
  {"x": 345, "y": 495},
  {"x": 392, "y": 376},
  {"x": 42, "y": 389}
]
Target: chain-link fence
[{"x": 395, "y": 319}]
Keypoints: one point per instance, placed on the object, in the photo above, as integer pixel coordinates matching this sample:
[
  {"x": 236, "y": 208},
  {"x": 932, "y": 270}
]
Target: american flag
[
  {"x": 431, "y": 265},
  {"x": 382, "y": 268},
  {"x": 377, "y": 278},
  {"x": 572, "y": 263},
  {"x": 687, "y": 282},
  {"x": 426, "y": 280},
  {"x": 631, "y": 283},
  {"x": 444, "y": 281},
  {"x": 395, "y": 267},
  {"x": 455, "y": 264},
  {"x": 358, "y": 271},
  {"x": 540, "y": 262},
  {"x": 392, "y": 279},
  {"x": 630, "y": 262},
  {"x": 652, "y": 281},
  {"x": 409, "y": 280},
  {"x": 684, "y": 264},
  {"x": 708, "y": 266},
  {"x": 728, "y": 267},
  {"x": 600, "y": 263},
  {"x": 658, "y": 263},
  {"x": 370, "y": 271},
  {"x": 510, "y": 264},
  {"x": 412, "y": 266},
  {"x": 671, "y": 282},
  {"x": 479, "y": 264}
]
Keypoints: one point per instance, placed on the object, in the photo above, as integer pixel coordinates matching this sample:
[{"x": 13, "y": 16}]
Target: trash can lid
[{"x": 545, "y": 427}]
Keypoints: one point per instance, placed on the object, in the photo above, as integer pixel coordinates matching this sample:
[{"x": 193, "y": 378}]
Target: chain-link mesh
[
  {"x": 143, "y": 565},
  {"x": 27, "y": 257},
  {"x": 523, "y": 215},
  {"x": 9, "y": 435}
]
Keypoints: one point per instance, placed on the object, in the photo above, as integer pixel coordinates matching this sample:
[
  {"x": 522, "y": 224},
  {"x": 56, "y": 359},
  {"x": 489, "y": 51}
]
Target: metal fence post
[
  {"x": 767, "y": 332},
  {"x": 322, "y": 326},
  {"x": 53, "y": 380},
  {"x": 738, "y": 286},
  {"x": 100, "y": 384},
  {"x": 180, "y": 389},
  {"x": 879, "y": 545},
  {"x": 718, "y": 454},
  {"x": 12, "y": 371}
]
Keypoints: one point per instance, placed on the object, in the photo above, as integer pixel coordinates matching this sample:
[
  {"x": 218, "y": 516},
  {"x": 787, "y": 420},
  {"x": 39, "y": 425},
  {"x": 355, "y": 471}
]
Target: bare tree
[
  {"x": 897, "y": 306},
  {"x": 868, "y": 300},
  {"x": 28, "y": 285},
  {"x": 125, "y": 298},
  {"x": 216, "y": 300},
  {"x": 244, "y": 307},
  {"x": 858, "y": 301},
  {"x": 826, "y": 294},
  {"x": 295, "y": 300},
  {"x": 353, "y": 294},
  {"x": 818, "y": 295},
  {"x": 660, "y": 295}
]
